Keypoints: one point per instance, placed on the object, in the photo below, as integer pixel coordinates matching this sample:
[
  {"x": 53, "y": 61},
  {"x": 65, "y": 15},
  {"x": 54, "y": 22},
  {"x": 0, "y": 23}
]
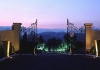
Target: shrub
[{"x": 93, "y": 50}]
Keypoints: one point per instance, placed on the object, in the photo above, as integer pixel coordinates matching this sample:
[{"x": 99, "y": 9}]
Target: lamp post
[
  {"x": 96, "y": 48},
  {"x": 71, "y": 41}
]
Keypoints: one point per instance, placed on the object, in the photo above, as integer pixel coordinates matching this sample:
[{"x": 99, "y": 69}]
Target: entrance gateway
[{"x": 14, "y": 36}]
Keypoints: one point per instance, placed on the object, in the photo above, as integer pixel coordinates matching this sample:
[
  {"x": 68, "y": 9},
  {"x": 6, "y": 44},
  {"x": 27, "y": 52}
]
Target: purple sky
[{"x": 50, "y": 13}]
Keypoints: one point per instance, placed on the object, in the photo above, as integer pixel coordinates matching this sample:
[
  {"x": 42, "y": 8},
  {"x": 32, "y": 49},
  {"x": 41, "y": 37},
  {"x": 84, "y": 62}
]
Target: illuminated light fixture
[
  {"x": 94, "y": 57},
  {"x": 10, "y": 57},
  {"x": 8, "y": 48},
  {"x": 96, "y": 48},
  {"x": 70, "y": 51},
  {"x": 34, "y": 51}
]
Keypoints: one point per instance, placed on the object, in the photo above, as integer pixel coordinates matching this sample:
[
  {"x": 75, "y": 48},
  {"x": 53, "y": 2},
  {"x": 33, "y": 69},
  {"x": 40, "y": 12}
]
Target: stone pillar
[
  {"x": 88, "y": 36},
  {"x": 16, "y": 28}
]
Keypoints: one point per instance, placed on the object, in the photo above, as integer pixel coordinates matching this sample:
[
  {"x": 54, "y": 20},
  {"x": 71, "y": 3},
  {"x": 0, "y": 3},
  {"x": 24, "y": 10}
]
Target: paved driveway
[{"x": 51, "y": 62}]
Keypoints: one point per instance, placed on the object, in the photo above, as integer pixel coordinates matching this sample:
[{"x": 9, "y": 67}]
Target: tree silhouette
[
  {"x": 25, "y": 37},
  {"x": 67, "y": 38},
  {"x": 53, "y": 43},
  {"x": 41, "y": 40}
]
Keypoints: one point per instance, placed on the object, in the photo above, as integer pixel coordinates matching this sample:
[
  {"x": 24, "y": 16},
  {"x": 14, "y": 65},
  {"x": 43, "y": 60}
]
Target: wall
[
  {"x": 91, "y": 35},
  {"x": 7, "y": 35},
  {"x": 12, "y": 35},
  {"x": 95, "y": 36}
]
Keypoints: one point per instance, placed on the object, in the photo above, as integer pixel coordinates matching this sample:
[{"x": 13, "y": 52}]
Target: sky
[{"x": 50, "y": 13}]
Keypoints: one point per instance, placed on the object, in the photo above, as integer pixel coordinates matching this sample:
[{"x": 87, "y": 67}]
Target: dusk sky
[{"x": 50, "y": 13}]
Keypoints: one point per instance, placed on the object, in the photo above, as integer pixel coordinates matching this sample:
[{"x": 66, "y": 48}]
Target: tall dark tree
[
  {"x": 67, "y": 37},
  {"x": 41, "y": 40},
  {"x": 49, "y": 44},
  {"x": 53, "y": 43},
  {"x": 25, "y": 37},
  {"x": 24, "y": 48}
]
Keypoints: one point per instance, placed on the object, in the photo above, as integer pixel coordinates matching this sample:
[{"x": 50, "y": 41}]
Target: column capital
[
  {"x": 19, "y": 24},
  {"x": 88, "y": 24}
]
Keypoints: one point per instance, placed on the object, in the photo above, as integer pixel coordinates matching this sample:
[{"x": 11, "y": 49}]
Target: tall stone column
[
  {"x": 88, "y": 36},
  {"x": 16, "y": 28}
]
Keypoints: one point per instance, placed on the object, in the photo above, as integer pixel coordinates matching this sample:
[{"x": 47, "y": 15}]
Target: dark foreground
[{"x": 51, "y": 62}]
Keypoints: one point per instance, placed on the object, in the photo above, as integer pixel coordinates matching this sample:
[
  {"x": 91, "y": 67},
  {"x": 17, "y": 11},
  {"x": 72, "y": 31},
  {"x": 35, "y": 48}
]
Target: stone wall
[
  {"x": 90, "y": 36},
  {"x": 12, "y": 35},
  {"x": 95, "y": 36},
  {"x": 7, "y": 35}
]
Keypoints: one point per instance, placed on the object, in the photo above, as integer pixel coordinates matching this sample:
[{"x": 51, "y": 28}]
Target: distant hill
[
  {"x": 5, "y": 28},
  {"x": 59, "y": 35},
  {"x": 39, "y": 30}
]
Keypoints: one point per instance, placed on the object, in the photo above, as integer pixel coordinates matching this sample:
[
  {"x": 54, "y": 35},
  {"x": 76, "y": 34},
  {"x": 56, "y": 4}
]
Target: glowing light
[
  {"x": 60, "y": 49},
  {"x": 8, "y": 48},
  {"x": 34, "y": 51},
  {"x": 9, "y": 57},
  {"x": 96, "y": 48},
  {"x": 46, "y": 49},
  {"x": 41, "y": 46},
  {"x": 70, "y": 50}
]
